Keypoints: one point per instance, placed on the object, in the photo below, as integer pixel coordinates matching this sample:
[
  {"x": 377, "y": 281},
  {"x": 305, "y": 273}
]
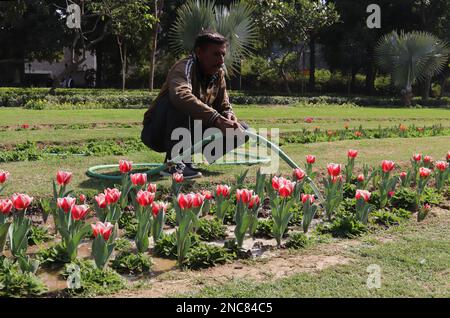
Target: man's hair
[{"x": 209, "y": 37}]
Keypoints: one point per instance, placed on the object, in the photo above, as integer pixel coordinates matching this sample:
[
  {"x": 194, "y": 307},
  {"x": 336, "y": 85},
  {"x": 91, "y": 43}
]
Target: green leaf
[{"x": 3, "y": 235}]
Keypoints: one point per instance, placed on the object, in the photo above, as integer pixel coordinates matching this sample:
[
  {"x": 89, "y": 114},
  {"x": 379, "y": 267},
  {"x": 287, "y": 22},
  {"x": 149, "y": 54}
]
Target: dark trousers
[{"x": 156, "y": 134}]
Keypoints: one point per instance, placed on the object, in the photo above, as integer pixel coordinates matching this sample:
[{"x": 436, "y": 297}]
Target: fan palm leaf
[
  {"x": 234, "y": 24},
  {"x": 411, "y": 57}
]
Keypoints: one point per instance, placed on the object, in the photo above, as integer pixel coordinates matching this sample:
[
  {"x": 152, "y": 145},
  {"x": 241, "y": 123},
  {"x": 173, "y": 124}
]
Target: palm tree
[
  {"x": 234, "y": 23},
  {"x": 410, "y": 57}
]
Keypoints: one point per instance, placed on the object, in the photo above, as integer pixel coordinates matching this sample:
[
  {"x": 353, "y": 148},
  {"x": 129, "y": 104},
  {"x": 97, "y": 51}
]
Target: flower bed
[{"x": 192, "y": 227}]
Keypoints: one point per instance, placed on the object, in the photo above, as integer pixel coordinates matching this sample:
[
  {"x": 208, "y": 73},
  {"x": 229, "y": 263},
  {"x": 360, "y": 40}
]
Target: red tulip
[
  {"x": 427, "y": 159},
  {"x": 244, "y": 195},
  {"x": 25, "y": 126},
  {"x": 197, "y": 200},
  {"x": 424, "y": 172},
  {"x": 358, "y": 134},
  {"x": 448, "y": 156},
  {"x": 145, "y": 198},
  {"x": 223, "y": 190},
  {"x": 362, "y": 194},
  {"x": 178, "y": 177},
  {"x": 157, "y": 206},
  {"x": 66, "y": 203},
  {"x": 112, "y": 195},
  {"x": 207, "y": 194},
  {"x": 441, "y": 165},
  {"x": 21, "y": 201},
  {"x": 82, "y": 198},
  {"x": 417, "y": 157},
  {"x": 306, "y": 197},
  {"x": 4, "y": 175},
  {"x": 63, "y": 177},
  {"x": 276, "y": 182},
  {"x": 403, "y": 175},
  {"x": 334, "y": 169},
  {"x": 185, "y": 201},
  {"x": 427, "y": 207},
  {"x": 387, "y": 165},
  {"x": 299, "y": 174},
  {"x": 79, "y": 211},
  {"x": 101, "y": 200},
  {"x": 352, "y": 153},
  {"x": 254, "y": 201},
  {"x": 336, "y": 178},
  {"x": 125, "y": 166},
  {"x": 310, "y": 159},
  {"x": 391, "y": 193},
  {"x": 5, "y": 206},
  {"x": 104, "y": 229},
  {"x": 360, "y": 177},
  {"x": 151, "y": 187},
  {"x": 286, "y": 188},
  {"x": 138, "y": 179},
  {"x": 308, "y": 120}
]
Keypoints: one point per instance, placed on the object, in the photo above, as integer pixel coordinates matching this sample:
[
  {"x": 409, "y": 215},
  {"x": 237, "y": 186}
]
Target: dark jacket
[{"x": 193, "y": 94}]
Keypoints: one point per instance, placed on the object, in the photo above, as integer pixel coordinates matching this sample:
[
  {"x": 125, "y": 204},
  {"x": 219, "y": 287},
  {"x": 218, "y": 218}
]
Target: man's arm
[
  {"x": 225, "y": 106},
  {"x": 182, "y": 98}
]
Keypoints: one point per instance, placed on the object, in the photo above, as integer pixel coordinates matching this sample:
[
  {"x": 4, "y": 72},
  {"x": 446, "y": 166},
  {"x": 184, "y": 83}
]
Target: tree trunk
[
  {"x": 407, "y": 96},
  {"x": 370, "y": 73},
  {"x": 99, "y": 71},
  {"x": 425, "y": 87},
  {"x": 312, "y": 64},
  {"x": 154, "y": 43},
  {"x": 124, "y": 66}
]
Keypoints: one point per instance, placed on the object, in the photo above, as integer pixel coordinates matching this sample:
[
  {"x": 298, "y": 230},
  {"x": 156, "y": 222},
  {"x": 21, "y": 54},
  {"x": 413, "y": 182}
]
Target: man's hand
[
  {"x": 223, "y": 123},
  {"x": 230, "y": 116}
]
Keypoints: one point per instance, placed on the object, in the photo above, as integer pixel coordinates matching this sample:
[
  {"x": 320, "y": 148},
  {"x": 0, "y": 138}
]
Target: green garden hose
[{"x": 158, "y": 167}]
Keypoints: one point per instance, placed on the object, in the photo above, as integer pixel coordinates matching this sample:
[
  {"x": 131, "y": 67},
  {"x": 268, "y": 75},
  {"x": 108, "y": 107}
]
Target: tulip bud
[
  {"x": 310, "y": 159},
  {"x": 4, "y": 175},
  {"x": 417, "y": 157},
  {"x": 334, "y": 169},
  {"x": 178, "y": 177},
  {"x": 306, "y": 197},
  {"x": 125, "y": 166},
  {"x": 244, "y": 195},
  {"x": 299, "y": 174},
  {"x": 5, "y": 206},
  {"x": 101, "y": 200},
  {"x": 352, "y": 153},
  {"x": 387, "y": 165},
  {"x": 424, "y": 172},
  {"x": 441, "y": 165},
  {"x": 66, "y": 203},
  {"x": 254, "y": 201},
  {"x": 79, "y": 211},
  {"x": 21, "y": 201},
  {"x": 63, "y": 177},
  {"x": 151, "y": 187},
  {"x": 104, "y": 229},
  {"x": 138, "y": 179},
  {"x": 112, "y": 195},
  {"x": 362, "y": 194}
]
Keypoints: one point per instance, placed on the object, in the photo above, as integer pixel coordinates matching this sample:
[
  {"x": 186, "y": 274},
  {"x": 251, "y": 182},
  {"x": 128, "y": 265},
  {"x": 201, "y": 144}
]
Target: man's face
[{"x": 211, "y": 57}]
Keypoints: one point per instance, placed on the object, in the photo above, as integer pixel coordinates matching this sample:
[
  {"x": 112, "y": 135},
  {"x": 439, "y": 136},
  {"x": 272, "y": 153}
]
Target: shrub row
[{"x": 89, "y": 98}]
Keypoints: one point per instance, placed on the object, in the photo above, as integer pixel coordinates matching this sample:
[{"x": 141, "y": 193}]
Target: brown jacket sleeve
[
  {"x": 226, "y": 105},
  {"x": 182, "y": 98}
]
